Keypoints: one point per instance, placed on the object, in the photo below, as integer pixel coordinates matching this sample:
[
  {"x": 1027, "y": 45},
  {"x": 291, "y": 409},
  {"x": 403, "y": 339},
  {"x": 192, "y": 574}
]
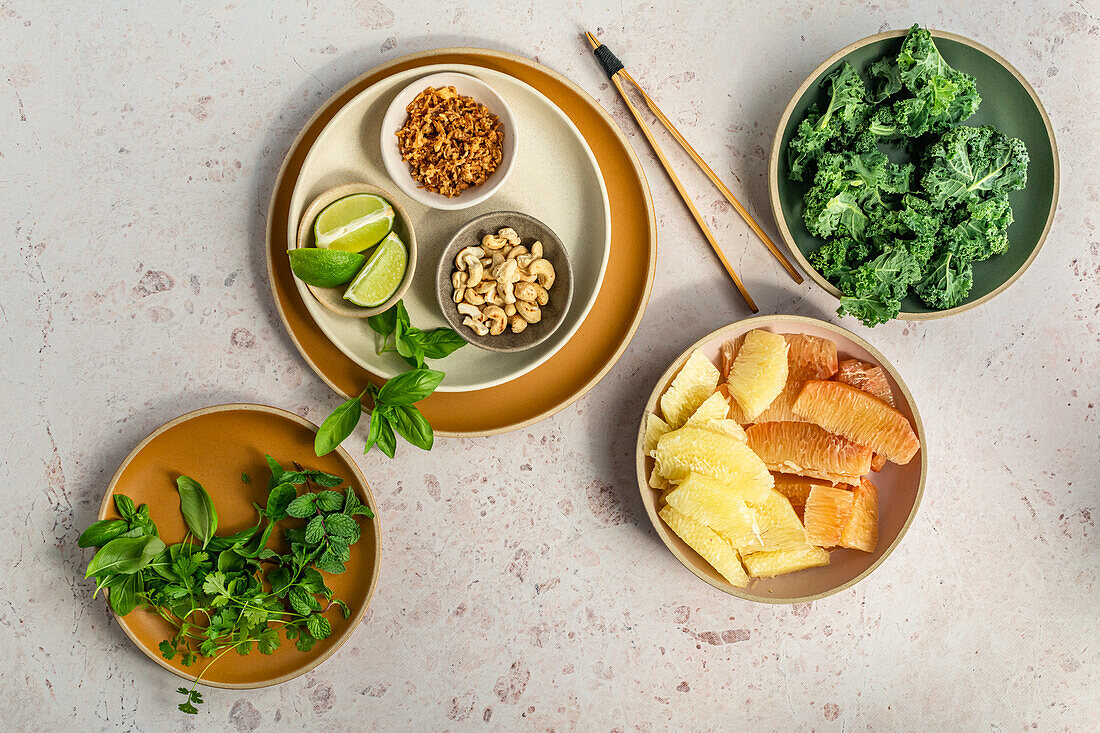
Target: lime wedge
[
  {"x": 325, "y": 268},
  {"x": 379, "y": 278},
  {"x": 353, "y": 223}
]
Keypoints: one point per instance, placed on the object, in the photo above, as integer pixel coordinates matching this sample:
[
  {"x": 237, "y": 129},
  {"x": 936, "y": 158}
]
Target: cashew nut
[
  {"x": 518, "y": 324},
  {"x": 493, "y": 241},
  {"x": 469, "y": 260},
  {"x": 536, "y": 254},
  {"x": 458, "y": 280},
  {"x": 530, "y": 312},
  {"x": 467, "y": 309},
  {"x": 517, "y": 252},
  {"x": 542, "y": 296},
  {"x": 544, "y": 271},
  {"x": 473, "y": 297},
  {"x": 508, "y": 234},
  {"x": 527, "y": 291},
  {"x": 479, "y": 327},
  {"x": 509, "y": 309},
  {"x": 497, "y": 319}
]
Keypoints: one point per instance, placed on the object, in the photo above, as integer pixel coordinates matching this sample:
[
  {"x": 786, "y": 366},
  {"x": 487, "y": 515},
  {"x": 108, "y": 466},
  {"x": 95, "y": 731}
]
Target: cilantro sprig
[
  {"x": 394, "y": 412},
  {"x": 232, "y": 592}
]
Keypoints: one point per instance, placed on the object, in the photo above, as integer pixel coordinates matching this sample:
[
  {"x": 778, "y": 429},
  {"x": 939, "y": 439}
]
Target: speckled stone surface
[{"x": 522, "y": 586}]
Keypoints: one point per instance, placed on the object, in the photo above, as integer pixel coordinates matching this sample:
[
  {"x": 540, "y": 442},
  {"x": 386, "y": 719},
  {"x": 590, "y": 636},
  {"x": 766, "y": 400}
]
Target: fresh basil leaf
[
  {"x": 384, "y": 323},
  {"x": 125, "y": 506},
  {"x": 403, "y": 342},
  {"x": 402, "y": 314},
  {"x": 257, "y": 547},
  {"x": 102, "y": 532},
  {"x": 124, "y": 597},
  {"x": 276, "y": 472},
  {"x": 387, "y": 443},
  {"x": 440, "y": 343},
  {"x": 278, "y": 500},
  {"x": 198, "y": 509},
  {"x": 411, "y": 425},
  {"x": 220, "y": 544},
  {"x": 337, "y": 426},
  {"x": 377, "y": 417},
  {"x": 410, "y": 387},
  {"x": 230, "y": 561},
  {"x": 124, "y": 555}
]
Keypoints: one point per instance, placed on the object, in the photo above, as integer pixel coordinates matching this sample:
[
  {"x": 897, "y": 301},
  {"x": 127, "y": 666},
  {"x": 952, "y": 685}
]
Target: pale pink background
[{"x": 522, "y": 586}]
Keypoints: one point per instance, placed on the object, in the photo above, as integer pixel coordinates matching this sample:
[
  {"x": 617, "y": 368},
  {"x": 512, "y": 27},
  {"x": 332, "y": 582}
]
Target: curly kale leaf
[
  {"x": 969, "y": 163},
  {"x": 841, "y": 120},
  {"x": 873, "y": 294},
  {"x": 981, "y": 229},
  {"x": 849, "y": 185},
  {"x": 947, "y": 281}
]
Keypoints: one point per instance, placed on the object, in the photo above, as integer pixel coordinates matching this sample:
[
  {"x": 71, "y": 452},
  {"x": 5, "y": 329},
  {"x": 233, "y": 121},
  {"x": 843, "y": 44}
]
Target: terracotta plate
[
  {"x": 215, "y": 445},
  {"x": 600, "y": 339},
  {"x": 900, "y": 487}
]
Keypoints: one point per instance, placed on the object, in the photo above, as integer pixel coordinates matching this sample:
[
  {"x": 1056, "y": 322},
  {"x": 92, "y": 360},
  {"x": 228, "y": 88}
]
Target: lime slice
[
  {"x": 325, "y": 268},
  {"x": 353, "y": 223},
  {"x": 379, "y": 278}
]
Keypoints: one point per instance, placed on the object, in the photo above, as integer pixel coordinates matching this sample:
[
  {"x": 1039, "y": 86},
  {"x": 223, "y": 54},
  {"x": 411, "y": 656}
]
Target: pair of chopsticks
[{"x": 615, "y": 70}]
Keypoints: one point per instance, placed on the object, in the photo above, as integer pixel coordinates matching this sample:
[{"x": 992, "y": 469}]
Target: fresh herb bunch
[
  {"x": 888, "y": 226},
  {"x": 211, "y": 588},
  {"x": 394, "y": 412}
]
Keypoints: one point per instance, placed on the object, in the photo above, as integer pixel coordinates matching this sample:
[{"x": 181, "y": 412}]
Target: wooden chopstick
[
  {"x": 714, "y": 178},
  {"x": 676, "y": 182}
]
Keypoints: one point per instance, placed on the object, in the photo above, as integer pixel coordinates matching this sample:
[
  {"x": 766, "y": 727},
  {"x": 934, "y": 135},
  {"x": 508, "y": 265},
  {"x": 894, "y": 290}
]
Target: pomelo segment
[
  {"x": 696, "y": 382},
  {"x": 795, "y": 488},
  {"x": 808, "y": 357},
  {"x": 697, "y": 450},
  {"x": 777, "y": 523},
  {"x": 718, "y": 552},
  {"x": 806, "y": 449},
  {"x": 759, "y": 371},
  {"x": 827, "y": 513},
  {"x": 861, "y": 533},
  {"x": 712, "y": 503},
  {"x": 781, "y": 562},
  {"x": 860, "y": 417},
  {"x": 727, "y": 427},
  {"x": 714, "y": 407},
  {"x": 871, "y": 379},
  {"x": 655, "y": 427}
]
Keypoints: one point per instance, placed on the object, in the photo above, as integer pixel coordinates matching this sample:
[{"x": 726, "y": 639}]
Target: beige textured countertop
[{"x": 522, "y": 586}]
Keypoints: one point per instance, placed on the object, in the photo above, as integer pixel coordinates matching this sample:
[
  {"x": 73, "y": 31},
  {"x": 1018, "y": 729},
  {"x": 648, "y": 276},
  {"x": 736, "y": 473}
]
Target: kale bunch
[{"x": 889, "y": 227}]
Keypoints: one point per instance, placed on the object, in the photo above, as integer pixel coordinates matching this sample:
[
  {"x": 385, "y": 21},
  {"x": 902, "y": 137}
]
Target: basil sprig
[{"x": 394, "y": 412}]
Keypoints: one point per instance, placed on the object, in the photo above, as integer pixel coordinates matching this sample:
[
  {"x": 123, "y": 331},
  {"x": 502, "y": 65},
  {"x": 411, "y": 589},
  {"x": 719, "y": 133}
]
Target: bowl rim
[
  {"x": 357, "y": 475},
  {"x": 674, "y": 367},
  {"x": 398, "y": 170},
  {"x": 777, "y": 142},
  {"x": 445, "y": 265},
  {"x": 331, "y": 196}
]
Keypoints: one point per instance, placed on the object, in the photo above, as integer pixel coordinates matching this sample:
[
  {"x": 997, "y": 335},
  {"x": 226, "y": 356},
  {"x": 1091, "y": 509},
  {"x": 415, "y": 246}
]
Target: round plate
[
  {"x": 900, "y": 487},
  {"x": 554, "y": 178},
  {"x": 596, "y": 345},
  {"x": 215, "y": 445},
  {"x": 1008, "y": 103}
]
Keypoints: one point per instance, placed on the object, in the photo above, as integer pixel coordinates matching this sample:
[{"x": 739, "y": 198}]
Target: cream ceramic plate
[{"x": 555, "y": 178}]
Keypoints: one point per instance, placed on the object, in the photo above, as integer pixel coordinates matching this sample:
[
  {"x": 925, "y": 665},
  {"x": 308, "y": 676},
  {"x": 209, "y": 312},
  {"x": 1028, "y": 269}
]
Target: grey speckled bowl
[{"x": 529, "y": 229}]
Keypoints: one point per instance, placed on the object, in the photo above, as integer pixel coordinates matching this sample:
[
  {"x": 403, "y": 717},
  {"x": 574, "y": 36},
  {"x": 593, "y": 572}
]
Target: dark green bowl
[{"x": 1008, "y": 103}]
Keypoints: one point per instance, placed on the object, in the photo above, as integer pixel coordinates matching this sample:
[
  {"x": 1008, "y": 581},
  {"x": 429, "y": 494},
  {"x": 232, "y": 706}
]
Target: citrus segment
[
  {"x": 697, "y": 450},
  {"x": 714, "y": 407},
  {"x": 718, "y": 552},
  {"x": 861, "y": 417},
  {"x": 777, "y": 523},
  {"x": 806, "y": 449},
  {"x": 781, "y": 562},
  {"x": 710, "y": 502},
  {"x": 324, "y": 268},
  {"x": 353, "y": 223},
  {"x": 758, "y": 372},
  {"x": 655, "y": 427},
  {"x": 726, "y": 427},
  {"x": 808, "y": 357},
  {"x": 861, "y": 533},
  {"x": 696, "y": 382},
  {"x": 382, "y": 274},
  {"x": 795, "y": 488},
  {"x": 827, "y": 513},
  {"x": 870, "y": 379}
]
